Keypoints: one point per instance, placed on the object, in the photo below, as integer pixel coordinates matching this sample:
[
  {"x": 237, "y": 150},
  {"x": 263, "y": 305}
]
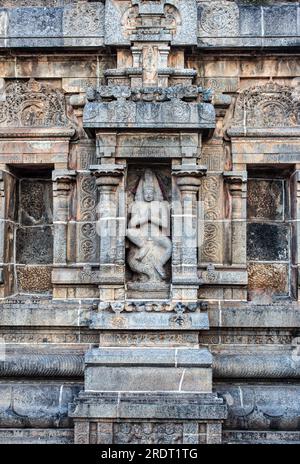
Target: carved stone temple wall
[{"x": 149, "y": 221}]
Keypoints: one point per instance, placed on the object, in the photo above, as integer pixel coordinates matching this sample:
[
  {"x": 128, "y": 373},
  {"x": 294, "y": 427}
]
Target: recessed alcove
[{"x": 33, "y": 228}]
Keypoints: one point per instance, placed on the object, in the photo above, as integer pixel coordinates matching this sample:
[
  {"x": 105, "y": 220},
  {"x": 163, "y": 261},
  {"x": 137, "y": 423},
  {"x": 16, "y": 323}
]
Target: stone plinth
[
  {"x": 148, "y": 369},
  {"x": 149, "y": 418}
]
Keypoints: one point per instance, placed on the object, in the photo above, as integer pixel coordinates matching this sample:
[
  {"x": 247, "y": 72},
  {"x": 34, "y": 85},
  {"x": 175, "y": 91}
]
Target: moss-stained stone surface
[
  {"x": 265, "y": 199},
  {"x": 268, "y": 242},
  {"x": 36, "y": 202},
  {"x": 35, "y": 245}
]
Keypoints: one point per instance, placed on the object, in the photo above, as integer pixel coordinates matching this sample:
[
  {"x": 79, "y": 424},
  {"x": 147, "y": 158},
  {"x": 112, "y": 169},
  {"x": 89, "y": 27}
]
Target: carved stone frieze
[
  {"x": 84, "y": 19},
  {"x": 153, "y": 107},
  {"x": 149, "y": 433},
  {"x": 219, "y": 18},
  {"x": 166, "y": 20},
  {"x": 148, "y": 306},
  {"x": 32, "y": 104},
  {"x": 163, "y": 20},
  {"x": 267, "y": 106}
]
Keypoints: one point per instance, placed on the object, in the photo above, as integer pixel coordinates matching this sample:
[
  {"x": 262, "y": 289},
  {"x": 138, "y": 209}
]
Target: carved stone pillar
[
  {"x": 111, "y": 230},
  {"x": 237, "y": 182},
  {"x": 186, "y": 215},
  {"x": 297, "y": 227},
  {"x": 2, "y": 225},
  {"x": 62, "y": 182}
]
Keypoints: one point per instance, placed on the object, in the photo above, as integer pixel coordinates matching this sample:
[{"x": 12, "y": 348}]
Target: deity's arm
[
  {"x": 160, "y": 215},
  {"x": 139, "y": 217}
]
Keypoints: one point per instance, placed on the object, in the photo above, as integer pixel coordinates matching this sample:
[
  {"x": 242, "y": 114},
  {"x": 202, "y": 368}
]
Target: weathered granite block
[
  {"x": 267, "y": 280},
  {"x": 265, "y": 199},
  {"x": 280, "y": 20},
  {"x": 149, "y": 405},
  {"x": 34, "y": 245},
  {"x": 168, "y": 357},
  {"x": 36, "y": 202},
  {"x": 268, "y": 242},
  {"x": 148, "y": 369},
  {"x": 250, "y": 20},
  {"x": 121, "y": 114},
  {"x": 148, "y": 378}
]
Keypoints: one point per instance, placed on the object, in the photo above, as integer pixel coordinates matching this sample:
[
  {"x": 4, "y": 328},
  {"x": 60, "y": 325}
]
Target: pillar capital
[
  {"x": 108, "y": 176},
  {"x": 234, "y": 178},
  {"x": 62, "y": 180},
  {"x": 189, "y": 176}
]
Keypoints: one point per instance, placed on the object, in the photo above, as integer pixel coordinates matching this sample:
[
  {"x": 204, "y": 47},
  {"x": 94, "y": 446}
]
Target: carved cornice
[
  {"x": 149, "y": 94},
  {"x": 177, "y": 107}
]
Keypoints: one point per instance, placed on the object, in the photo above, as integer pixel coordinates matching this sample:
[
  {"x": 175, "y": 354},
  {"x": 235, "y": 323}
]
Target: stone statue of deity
[{"x": 148, "y": 229}]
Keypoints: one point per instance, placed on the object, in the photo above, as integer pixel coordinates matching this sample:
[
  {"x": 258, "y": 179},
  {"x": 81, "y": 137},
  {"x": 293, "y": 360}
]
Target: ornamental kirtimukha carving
[
  {"x": 134, "y": 22},
  {"x": 32, "y": 104},
  {"x": 269, "y": 105}
]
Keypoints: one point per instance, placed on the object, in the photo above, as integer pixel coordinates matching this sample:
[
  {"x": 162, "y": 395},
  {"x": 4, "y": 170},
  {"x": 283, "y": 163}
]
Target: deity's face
[{"x": 148, "y": 194}]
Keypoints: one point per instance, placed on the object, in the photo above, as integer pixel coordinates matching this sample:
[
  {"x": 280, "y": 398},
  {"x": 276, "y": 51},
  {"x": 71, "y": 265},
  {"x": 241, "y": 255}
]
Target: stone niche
[
  {"x": 33, "y": 229},
  {"x": 149, "y": 122},
  {"x": 149, "y": 249},
  {"x": 157, "y": 386},
  {"x": 34, "y": 141},
  {"x": 265, "y": 140},
  {"x": 269, "y": 236}
]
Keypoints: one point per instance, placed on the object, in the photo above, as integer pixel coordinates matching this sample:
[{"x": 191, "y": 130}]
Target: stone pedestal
[
  {"x": 148, "y": 418},
  {"x": 148, "y": 394}
]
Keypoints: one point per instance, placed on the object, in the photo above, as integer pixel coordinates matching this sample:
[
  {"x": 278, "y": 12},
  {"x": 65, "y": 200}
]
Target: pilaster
[
  {"x": 2, "y": 226},
  {"x": 62, "y": 185},
  {"x": 186, "y": 231},
  {"x": 237, "y": 184},
  {"x": 111, "y": 230}
]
